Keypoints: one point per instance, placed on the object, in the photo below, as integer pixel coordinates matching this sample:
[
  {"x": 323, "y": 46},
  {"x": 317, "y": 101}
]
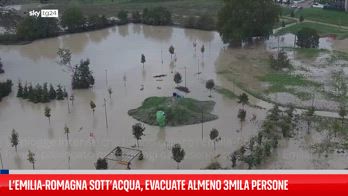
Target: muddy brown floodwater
[{"x": 118, "y": 50}]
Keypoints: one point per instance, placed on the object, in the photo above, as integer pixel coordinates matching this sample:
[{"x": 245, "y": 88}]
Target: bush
[
  {"x": 136, "y": 17},
  {"x": 280, "y": 62},
  {"x": 307, "y": 38},
  {"x": 301, "y": 19},
  {"x": 157, "y": 16},
  {"x": 82, "y": 77},
  {"x": 32, "y": 28},
  {"x": 123, "y": 16},
  {"x": 97, "y": 22},
  {"x": 73, "y": 20}
]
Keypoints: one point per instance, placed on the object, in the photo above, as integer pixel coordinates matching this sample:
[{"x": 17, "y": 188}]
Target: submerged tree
[
  {"x": 138, "y": 131},
  {"x": 307, "y": 38},
  {"x": 280, "y": 62},
  {"x": 110, "y": 92},
  {"x": 210, "y": 84},
  {"x": 93, "y": 106},
  {"x": 143, "y": 60},
  {"x": 82, "y": 76},
  {"x": 202, "y": 50},
  {"x": 14, "y": 139},
  {"x": 101, "y": 163},
  {"x": 1, "y": 69},
  {"x": 233, "y": 158},
  {"x": 64, "y": 56},
  {"x": 309, "y": 114},
  {"x": 241, "y": 116},
  {"x": 67, "y": 131},
  {"x": 171, "y": 51},
  {"x": 48, "y": 113},
  {"x": 31, "y": 158},
  {"x": 243, "y": 99},
  {"x": 214, "y": 136},
  {"x": 60, "y": 93},
  {"x": 178, "y": 154},
  {"x": 177, "y": 78},
  {"x": 342, "y": 113}
]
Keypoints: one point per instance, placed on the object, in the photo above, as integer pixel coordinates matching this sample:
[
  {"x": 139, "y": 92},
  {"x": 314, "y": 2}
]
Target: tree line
[
  {"x": 1, "y": 69},
  {"x": 73, "y": 20},
  {"x": 278, "y": 124},
  {"x": 5, "y": 88},
  {"x": 41, "y": 93}
]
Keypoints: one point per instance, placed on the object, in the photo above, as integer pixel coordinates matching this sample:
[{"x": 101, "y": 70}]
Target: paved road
[{"x": 306, "y": 4}]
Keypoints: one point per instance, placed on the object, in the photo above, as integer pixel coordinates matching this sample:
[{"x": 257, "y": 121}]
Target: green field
[
  {"x": 320, "y": 15},
  {"x": 178, "y": 111},
  {"x": 323, "y": 30},
  {"x": 111, "y": 7}
]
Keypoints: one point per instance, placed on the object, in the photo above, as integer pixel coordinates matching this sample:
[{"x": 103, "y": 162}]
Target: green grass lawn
[
  {"x": 323, "y": 30},
  {"x": 283, "y": 82},
  {"x": 321, "y": 15},
  {"x": 111, "y": 7},
  {"x": 179, "y": 111}
]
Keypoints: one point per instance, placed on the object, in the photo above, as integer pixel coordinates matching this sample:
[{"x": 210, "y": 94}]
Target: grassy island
[{"x": 179, "y": 111}]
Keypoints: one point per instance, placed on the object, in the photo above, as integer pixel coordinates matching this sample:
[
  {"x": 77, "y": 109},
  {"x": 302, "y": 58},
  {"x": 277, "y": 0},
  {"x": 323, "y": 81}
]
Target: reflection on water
[
  {"x": 158, "y": 33},
  {"x": 123, "y": 30},
  {"x": 99, "y": 36},
  {"x": 46, "y": 49},
  {"x": 196, "y": 35},
  {"x": 137, "y": 29},
  {"x": 75, "y": 42}
]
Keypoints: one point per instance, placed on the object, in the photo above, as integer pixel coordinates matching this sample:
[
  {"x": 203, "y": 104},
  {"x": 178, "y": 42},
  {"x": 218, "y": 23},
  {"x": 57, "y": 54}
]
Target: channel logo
[{"x": 44, "y": 13}]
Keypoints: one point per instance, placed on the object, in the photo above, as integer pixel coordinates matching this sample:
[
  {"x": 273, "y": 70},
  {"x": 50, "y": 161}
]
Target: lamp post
[{"x": 2, "y": 165}]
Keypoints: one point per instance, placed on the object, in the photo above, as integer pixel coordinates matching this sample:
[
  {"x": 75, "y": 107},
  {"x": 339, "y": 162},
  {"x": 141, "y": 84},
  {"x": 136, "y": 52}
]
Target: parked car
[{"x": 318, "y": 5}]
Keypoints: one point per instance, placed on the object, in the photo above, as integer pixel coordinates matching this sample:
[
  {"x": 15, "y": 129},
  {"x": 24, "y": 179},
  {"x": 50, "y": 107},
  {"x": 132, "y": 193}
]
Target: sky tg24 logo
[{"x": 44, "y": 13}]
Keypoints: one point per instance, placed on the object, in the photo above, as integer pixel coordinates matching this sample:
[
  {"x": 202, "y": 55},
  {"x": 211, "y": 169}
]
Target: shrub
[{"x": 307, "y": 38}]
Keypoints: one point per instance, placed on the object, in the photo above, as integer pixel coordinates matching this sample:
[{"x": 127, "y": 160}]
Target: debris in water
[{"x": 160, "y": 76}]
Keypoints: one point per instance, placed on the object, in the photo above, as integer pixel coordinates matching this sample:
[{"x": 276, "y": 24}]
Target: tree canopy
[
  {"x": 82, "y": 77},
  {"x": 33, "y": 28},
  {"x": 307, "y": 38},
  {"x": 5, "y": 88},
  {"x": 73, "y": 19},
  {"x": 241, "y": 20},
  {"x": 157, "y": 16}
]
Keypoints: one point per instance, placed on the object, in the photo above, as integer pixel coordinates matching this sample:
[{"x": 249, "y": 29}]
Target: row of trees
[
  {"x": 156, "y": 16},
  {"x": 5, "y": 88},
  {"x": 31, "y": 28},
  {"x": 242, "y": 20},
  {"x": 277, "y": 125},
  {"x": 1, "y": 67},
  {"x": 14, "y": 139},
  {"x": 72, "y": 20},
  {"x": 41, "y": 93}
]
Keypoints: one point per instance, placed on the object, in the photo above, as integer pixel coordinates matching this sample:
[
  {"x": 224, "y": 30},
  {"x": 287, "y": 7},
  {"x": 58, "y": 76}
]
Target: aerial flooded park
[{"x": 139, "y": 84}]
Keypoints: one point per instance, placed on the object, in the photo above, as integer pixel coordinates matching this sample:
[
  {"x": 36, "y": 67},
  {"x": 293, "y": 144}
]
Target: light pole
[
  {"x": 185, "y": 76},
  {"x": 2, "y": 165},
  {"x": 202, "y": 123},
  {"x": 106, "y": 115},
  {"x": 106, "y": 77}
]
